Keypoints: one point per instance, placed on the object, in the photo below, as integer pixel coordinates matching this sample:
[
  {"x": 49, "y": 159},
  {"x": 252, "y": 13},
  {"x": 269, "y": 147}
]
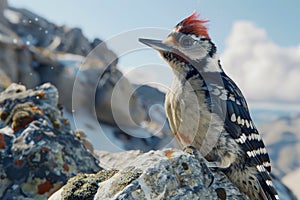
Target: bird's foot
[
  {"x": 216, "y": 164},
  {"x": 203, "y": 162},
  {"x": 190, "y": 150},
  {"x": 193, "y": 151}
]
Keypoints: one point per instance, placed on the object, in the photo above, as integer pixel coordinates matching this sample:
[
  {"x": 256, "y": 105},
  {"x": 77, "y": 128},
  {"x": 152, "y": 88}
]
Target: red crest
[{"x": 193, "y": 25}]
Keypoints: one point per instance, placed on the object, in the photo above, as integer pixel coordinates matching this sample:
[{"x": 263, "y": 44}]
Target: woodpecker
[{"x": 207, "y": 110}]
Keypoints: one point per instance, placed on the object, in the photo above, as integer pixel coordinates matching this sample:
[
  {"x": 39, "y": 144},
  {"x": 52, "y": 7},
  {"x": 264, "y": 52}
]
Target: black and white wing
[{"x": 228, "y": 101}]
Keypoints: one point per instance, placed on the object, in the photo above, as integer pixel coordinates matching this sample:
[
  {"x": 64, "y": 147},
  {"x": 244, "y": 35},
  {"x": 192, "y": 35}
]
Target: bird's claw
[
  {"x": 190, "y": 150},
  {"x": 205, "y": 164},
  {"x": 213, "y": 164}
]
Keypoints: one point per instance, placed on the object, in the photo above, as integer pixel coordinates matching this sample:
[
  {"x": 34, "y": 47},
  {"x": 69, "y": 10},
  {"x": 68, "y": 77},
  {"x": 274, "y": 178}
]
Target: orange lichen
[
  {"x": 66, "y": 122},
  {"x": 66, "y": 167},
  {"x": 39, "y": 138},
  {"x": 40, "y": 95},
  {"x": 37, "y": 109},
  {"x": 18, "y": 162},
  {"x": 2, "y": 141},
  {"x": 44, "y": 187},
  {"x": 169, "y": 153},
  {"x": 45, "y": 149},
  {"x": 21, "y": 122}
]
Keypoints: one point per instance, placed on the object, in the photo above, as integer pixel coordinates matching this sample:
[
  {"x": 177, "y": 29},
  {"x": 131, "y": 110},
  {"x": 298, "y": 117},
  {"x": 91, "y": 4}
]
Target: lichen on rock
[
  {"x": 85, "y": 186},
  {"x": 38, "y": 150},
  {"x": 163, "y": 174}
]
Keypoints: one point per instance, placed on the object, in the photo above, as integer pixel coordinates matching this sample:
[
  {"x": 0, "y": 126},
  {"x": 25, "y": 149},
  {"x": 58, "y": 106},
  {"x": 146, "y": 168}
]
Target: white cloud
[{"x": 263, "y": 70}]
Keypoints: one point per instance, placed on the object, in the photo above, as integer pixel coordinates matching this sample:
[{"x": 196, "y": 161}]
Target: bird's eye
[{"x": 186, "y": 41}]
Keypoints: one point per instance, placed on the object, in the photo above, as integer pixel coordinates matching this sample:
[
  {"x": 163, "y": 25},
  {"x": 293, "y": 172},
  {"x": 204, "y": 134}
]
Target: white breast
[{"x": 189, "y": 117}]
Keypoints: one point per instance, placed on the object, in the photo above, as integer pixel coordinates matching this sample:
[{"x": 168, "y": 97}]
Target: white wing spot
[
  {"x": 267, "y": 164},
  {"x": 249, "y": 153},
  {"x": 239, "y": 121},
  {"x": 257, "y": 152},
  {"x": 232, "y": 98},
  {"x": 260, "y": 168},
  {"x": 269, "y": 182},
  {"x": 233, "y": 117},
  {"x": 224, "y": 91},
  {"x": 251, "y": 125},
  {"x": 242, "y": 139},
  {"x": 254, "y": 136},
  {"x": 216, "y": 92},
  {"x": 247, "y": 123},
  {"x": 223, "y": 97}
]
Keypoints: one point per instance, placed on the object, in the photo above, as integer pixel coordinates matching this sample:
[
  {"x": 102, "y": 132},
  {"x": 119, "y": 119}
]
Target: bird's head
[{"x": 189, "y": 42}]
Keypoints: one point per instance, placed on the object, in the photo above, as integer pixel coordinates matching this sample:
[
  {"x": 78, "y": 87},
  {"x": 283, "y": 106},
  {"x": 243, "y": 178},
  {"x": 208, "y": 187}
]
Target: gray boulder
[
  {"x": 164, "y": 174},
  {"x": 3, "y": 5},
  {"x": 36, "y": 51},
  {"x": 38, "y": 150}
]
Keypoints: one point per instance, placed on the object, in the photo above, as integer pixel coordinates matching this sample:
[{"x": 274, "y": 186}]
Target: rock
[
  {"x": 16, "y": 63},
  {"x": 26, "y": 74},
  {"x": 101, "y": 51},
  {"x": 37, "y": 31},
  {"x": 283, "y": 188},
  {"x": 8, "y": 62},
  {"x": 291, "y": 179},
  {"x": 156, "y": 122},
  {"x": 38, "y": 150},
  {"x": 115, "y": 96},
  {"x": 164, "y": 174},
  {"x": 118, "y": 160},
  {"x": 35, "y": 51},
  {"x": 282, "y": 138},
  {"x": 3, "y": 6},
  {"x": 73, "y": 41},
  {"x": 4, "y": 80}
]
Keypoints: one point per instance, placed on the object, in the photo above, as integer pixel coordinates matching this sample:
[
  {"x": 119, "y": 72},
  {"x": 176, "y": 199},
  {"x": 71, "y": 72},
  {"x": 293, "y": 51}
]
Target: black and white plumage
[{"x": 207, "y": 110}]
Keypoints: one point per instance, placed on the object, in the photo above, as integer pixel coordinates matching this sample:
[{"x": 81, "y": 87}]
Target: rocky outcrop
[
  {"x": 37, "y": 31},
  {"x": 35, "y": 51},
  {"x": 38, "y": 150},
  {"x": 290, "y": 180},
  {"x": 282, "y": 137},
  {"x": 3, "y": 5},
  {"x": 165, "y": 174}
]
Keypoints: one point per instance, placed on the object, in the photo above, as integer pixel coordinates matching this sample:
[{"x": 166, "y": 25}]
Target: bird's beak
[{"x": 155, "y": 44}]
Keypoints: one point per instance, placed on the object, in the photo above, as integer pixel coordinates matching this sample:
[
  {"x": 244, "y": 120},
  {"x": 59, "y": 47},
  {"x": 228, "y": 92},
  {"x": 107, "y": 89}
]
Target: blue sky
[
  {"x": 99, "y": 18},
  {"x": 258, "y": 41}
]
